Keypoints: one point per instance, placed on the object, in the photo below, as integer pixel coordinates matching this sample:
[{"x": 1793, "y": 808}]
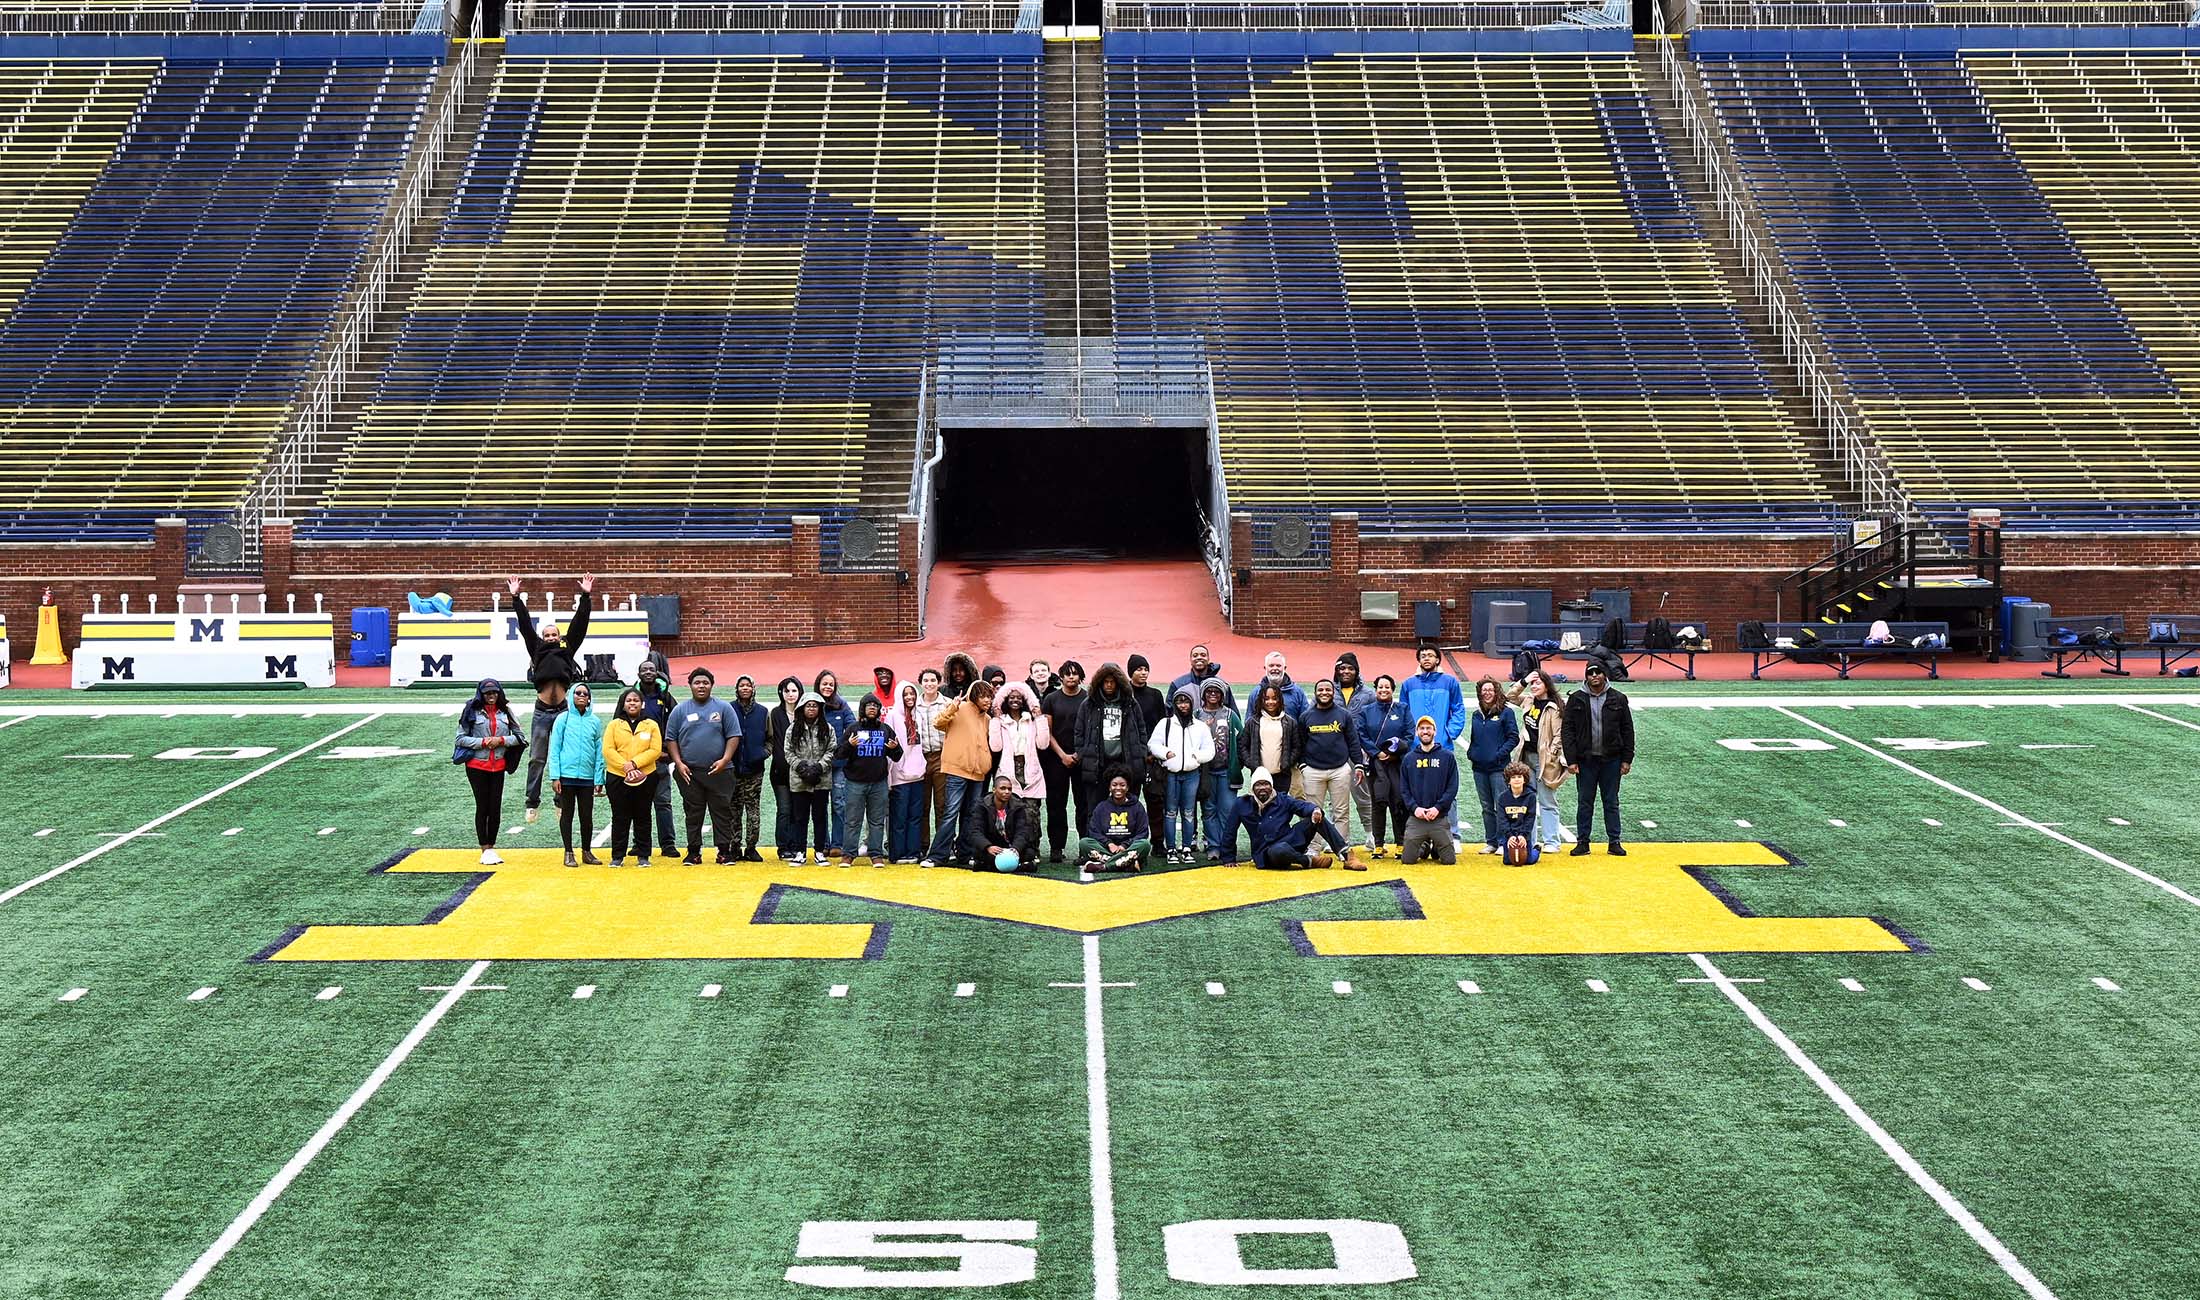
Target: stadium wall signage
[
  {"x": 204, "y": 649},
  {"x": 464, "y": 648}
]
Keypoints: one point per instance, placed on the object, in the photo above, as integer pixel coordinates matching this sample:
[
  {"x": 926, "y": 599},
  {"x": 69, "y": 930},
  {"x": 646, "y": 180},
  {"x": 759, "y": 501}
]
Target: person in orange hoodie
[{"x": 966, "y": 756}]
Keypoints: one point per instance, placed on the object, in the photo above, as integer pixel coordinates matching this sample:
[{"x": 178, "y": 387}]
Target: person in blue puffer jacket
[
  {"x": 1433, "y": 694},
  {"x": 574, "y": 766},
  {"x": 1493, "y": 736}
]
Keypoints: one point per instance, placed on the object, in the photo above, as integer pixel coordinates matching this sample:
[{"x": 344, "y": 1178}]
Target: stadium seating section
[
  {"x": 1441, "y": 279},
  {"x": 702, "y": 284},
  {"x": 179, "y": 237},
  {"x": 2000, "y": 255}
]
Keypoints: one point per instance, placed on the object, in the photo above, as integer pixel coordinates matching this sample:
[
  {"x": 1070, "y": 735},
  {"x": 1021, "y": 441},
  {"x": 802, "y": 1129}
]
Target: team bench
[
  {"x": 2185, "y": 646},
  {"x": 1842, "y": 645},
  {"x": 1509, "y": 638},
  {"x": 2075, "y": 638}
]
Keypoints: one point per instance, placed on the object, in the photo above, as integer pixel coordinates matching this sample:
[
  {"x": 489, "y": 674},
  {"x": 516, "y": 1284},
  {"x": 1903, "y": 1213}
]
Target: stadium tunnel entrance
[{"x": 1056, "y": 494}]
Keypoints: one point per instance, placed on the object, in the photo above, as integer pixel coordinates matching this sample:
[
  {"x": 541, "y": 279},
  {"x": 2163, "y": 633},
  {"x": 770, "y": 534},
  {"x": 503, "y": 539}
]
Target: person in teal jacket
[
  {"x": 1432, "y": 694},
  {"x": 574, "y": 765}
]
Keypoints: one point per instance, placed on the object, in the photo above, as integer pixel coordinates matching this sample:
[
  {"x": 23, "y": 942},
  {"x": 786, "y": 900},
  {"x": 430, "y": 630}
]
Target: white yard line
[
  {"x": 2189, "y": 726},
  {"x": 411, "y": 708},
  {"x": 1106, "y": 1272},
  {"x": 288, "y": 1174},
  {"x": 167, "y": 817},
  {"x": 19, "y": 718},
  {"x": 2014, "y": 816},
  {"x": 1885, "y": 1141}
]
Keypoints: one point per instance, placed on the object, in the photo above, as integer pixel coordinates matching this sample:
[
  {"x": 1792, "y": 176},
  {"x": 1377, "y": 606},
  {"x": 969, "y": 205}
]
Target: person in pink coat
[
  {"x": 1018, "y": 734},
  {"x": 905, "y": 788}
]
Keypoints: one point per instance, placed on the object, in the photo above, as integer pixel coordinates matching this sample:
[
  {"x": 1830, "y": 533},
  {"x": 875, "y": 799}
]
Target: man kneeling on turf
[
  {"x": 1120, "y": 836},
  {"x": 1428, "y": 783},
  {"x": 1280, "y": 828},
  {"x": 1516, "y": 818}
]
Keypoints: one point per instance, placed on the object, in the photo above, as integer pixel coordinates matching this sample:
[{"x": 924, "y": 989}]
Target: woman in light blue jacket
[{"x": 574, "y": 763}]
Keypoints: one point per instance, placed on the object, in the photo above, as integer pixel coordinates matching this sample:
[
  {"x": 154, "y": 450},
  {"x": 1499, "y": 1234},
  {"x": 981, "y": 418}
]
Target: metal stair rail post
[
  {"x": 1859, "y": 454},
  {"x": 311, "y": 419}
]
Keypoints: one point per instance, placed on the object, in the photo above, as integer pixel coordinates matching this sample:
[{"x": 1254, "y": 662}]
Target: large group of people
[{"x": 963, "y": 767}]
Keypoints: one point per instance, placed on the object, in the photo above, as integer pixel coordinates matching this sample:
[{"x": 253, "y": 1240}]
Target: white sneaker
[
  {"x": 1486, "y": 849},
  {"x": 533, "y": 813},
  {"x": 489, "y": 858}
]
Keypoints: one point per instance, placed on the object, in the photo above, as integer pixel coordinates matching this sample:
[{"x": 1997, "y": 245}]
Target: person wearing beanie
[
  {"x": 1183, "y": 746},
  {"x": 748, "y": 769},
  {"x": 1066, "y": 790},
  {"x": 1204, "y": 670},
  {"x": 808, "y": 751},
  {"x": 1218, "y": 790},
  {"x": 1347, "y": 677},
  {"x": 866, "y": 751},
  {"x": 1600, "y": 749},
  {"x": 882, "y": 688},
  {"x": 658, "y": 702},
  {"x": 1428, "y": 781},
  {"x": 1152, "y": 704},
  {"x": 701, "y": 739},
  {"x": 490, "y": 741},
  {"x": 1280, "y": 828}
]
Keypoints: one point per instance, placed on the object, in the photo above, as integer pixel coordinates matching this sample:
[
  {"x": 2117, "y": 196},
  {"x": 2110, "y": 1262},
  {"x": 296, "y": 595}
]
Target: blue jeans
[
  {"x": 1598, "y": 776},
  {"x": 905, "y": 806},
  {"x": 1217, "y": 810},
  {"x": 1546, "y": 819},
  {"x": 1488, "y": 786},
  {"x": 839, "y": 814},
  {"x": 1291, "y": 849},
  {"x": 947, "y": 841},
  {"x": 1180, "y": 827},
  {"x": 866, "y": 805}
]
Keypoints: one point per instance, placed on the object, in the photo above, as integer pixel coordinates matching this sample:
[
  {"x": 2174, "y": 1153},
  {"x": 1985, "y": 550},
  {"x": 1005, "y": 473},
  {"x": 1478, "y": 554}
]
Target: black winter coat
[
  {"x": 1619, "y": 727},
  {"x": 553, "y": 663}
]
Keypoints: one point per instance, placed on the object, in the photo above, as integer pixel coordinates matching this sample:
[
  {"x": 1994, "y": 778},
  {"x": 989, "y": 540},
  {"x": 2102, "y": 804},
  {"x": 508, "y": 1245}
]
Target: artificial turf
[{"x": 1531, "y": 1139}]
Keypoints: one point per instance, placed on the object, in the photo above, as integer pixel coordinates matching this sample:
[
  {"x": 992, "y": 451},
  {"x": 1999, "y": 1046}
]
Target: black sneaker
[
  {"x": 724, "y": 859},
  {"x": 1615, "y": 850},
  {"x": 694, "y": 858},
  {"x": 1580, "y": 851}
]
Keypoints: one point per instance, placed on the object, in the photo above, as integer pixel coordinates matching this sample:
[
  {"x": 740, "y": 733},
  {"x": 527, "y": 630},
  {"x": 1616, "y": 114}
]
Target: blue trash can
[{"x": 370, "y": 637}]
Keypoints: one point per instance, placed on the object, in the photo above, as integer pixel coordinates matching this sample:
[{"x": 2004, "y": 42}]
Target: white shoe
[
  {"x": 532, "y": 814},
  {"x": 1486, "y": 849},
  {"x": 489, "y": 858}
]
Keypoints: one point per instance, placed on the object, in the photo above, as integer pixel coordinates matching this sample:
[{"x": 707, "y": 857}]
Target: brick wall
[
  {"x": 733, "y": 595},
  {"x": 1719, "y": 579}
]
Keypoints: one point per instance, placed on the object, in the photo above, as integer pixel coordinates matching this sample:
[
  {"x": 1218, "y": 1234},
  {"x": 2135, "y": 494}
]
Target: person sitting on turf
[
  {"x": 1428, "y": 782},
  {"x": 1120, "y": 836},
  {"x": 1516, "y": 817},
  {"x": 489, "y": 742},
  {"x": 1280, "y": 828},
  {"x": 1004, "y": 824},
  {"x": 575, "y": 768}
]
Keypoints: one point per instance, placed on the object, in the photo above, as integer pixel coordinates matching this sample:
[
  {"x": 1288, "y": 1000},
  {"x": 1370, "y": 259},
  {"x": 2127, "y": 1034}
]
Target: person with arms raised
[{"x": 553, "y": 665}]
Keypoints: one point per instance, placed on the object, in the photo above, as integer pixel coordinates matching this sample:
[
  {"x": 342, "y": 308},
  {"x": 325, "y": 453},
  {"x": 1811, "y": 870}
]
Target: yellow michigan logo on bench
[{"x": 532, "y": 908}]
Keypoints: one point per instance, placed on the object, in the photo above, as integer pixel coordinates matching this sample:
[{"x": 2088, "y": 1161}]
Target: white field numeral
[
  {"x": 980, "y": 1250},
  {"x": 1364, "y": 1252}
]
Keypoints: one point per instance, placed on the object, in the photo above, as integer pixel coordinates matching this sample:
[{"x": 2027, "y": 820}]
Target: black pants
[
  {"x": 631, "y": 808},
  {"x": 1063, "y": 791},
  {"x": 786, "y": 836},
  {"x": 712, "y": 794},
  {"x": 810, "y": 811},
  {"x": 1157, "y": 799},
  {"x": 488, "y": 804},
  {"x": 1598, "y": 776},
  {"x": 581, "y": 795}
]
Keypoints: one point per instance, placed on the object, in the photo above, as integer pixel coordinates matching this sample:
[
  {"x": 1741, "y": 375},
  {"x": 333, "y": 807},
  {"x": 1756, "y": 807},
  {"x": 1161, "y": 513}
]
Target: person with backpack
[
  {"x": 1600, "y": 749},
  {"x": 1492, "y": 737},
  {"x": 1183, "y": 746},
  {"x": 490, "y": 741}
]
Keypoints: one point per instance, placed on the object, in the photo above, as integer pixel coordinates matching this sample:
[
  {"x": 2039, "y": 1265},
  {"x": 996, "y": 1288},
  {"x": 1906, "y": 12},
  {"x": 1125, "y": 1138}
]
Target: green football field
[{"x": 1138, "y": 1087}]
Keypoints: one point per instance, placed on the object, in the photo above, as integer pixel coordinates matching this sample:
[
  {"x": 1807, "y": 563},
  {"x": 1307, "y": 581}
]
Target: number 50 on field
[{"x": 989, "y": 1252}]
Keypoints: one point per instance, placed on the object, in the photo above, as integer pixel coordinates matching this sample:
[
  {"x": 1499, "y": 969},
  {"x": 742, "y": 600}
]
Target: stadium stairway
[
  {"x": 1672, "y": 129},
  {"x": 1077, "y": 286},
  {"x": 381, "y": 340}
]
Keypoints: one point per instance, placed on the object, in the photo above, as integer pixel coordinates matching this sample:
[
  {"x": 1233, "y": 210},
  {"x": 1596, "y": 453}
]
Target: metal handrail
[
  {"x": 1942, "y": 13},
  {"x": 1340, "y": 15},
  {"x": 1799, "y": 344},
  {"x": 765, "y": 16},
  {"x": 922, "y": 472},
  {"x": 93, "y": 17},
  {"x": 312, "y": 417}
]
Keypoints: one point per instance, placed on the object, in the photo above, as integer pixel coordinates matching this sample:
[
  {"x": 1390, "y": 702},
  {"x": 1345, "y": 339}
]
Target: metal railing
[
  {"x": 791, "y": 16},
  {"x": 1941, "y": 13},
  {"x": 1400, "y": 15},
  {"x": 95, "y": 18},
  {"x": 314, "y": 415},
  {"x": 922, "y": 470},
  {"x": 1215, "y": 527},
  {"x": 1799, "y": 344}
]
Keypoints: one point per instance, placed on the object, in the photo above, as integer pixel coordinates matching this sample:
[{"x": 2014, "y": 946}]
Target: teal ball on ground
[{"x": 1006, "y": 860}]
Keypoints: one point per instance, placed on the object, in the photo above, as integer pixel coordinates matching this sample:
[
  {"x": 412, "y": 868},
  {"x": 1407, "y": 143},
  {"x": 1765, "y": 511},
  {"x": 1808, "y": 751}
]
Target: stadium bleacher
[
  {"x": 715, "y": 283},
  {"x": 1465, "y": 281},
  {"x": 1926, "y": 207},
  {"x": 193, "y": 226}
]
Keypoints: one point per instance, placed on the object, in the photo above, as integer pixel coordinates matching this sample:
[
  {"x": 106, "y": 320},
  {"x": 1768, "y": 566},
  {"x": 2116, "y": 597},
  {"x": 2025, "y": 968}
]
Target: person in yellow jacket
[
  {"x": 966, "y": 756},
  {"x": 631, "y": 744}
]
